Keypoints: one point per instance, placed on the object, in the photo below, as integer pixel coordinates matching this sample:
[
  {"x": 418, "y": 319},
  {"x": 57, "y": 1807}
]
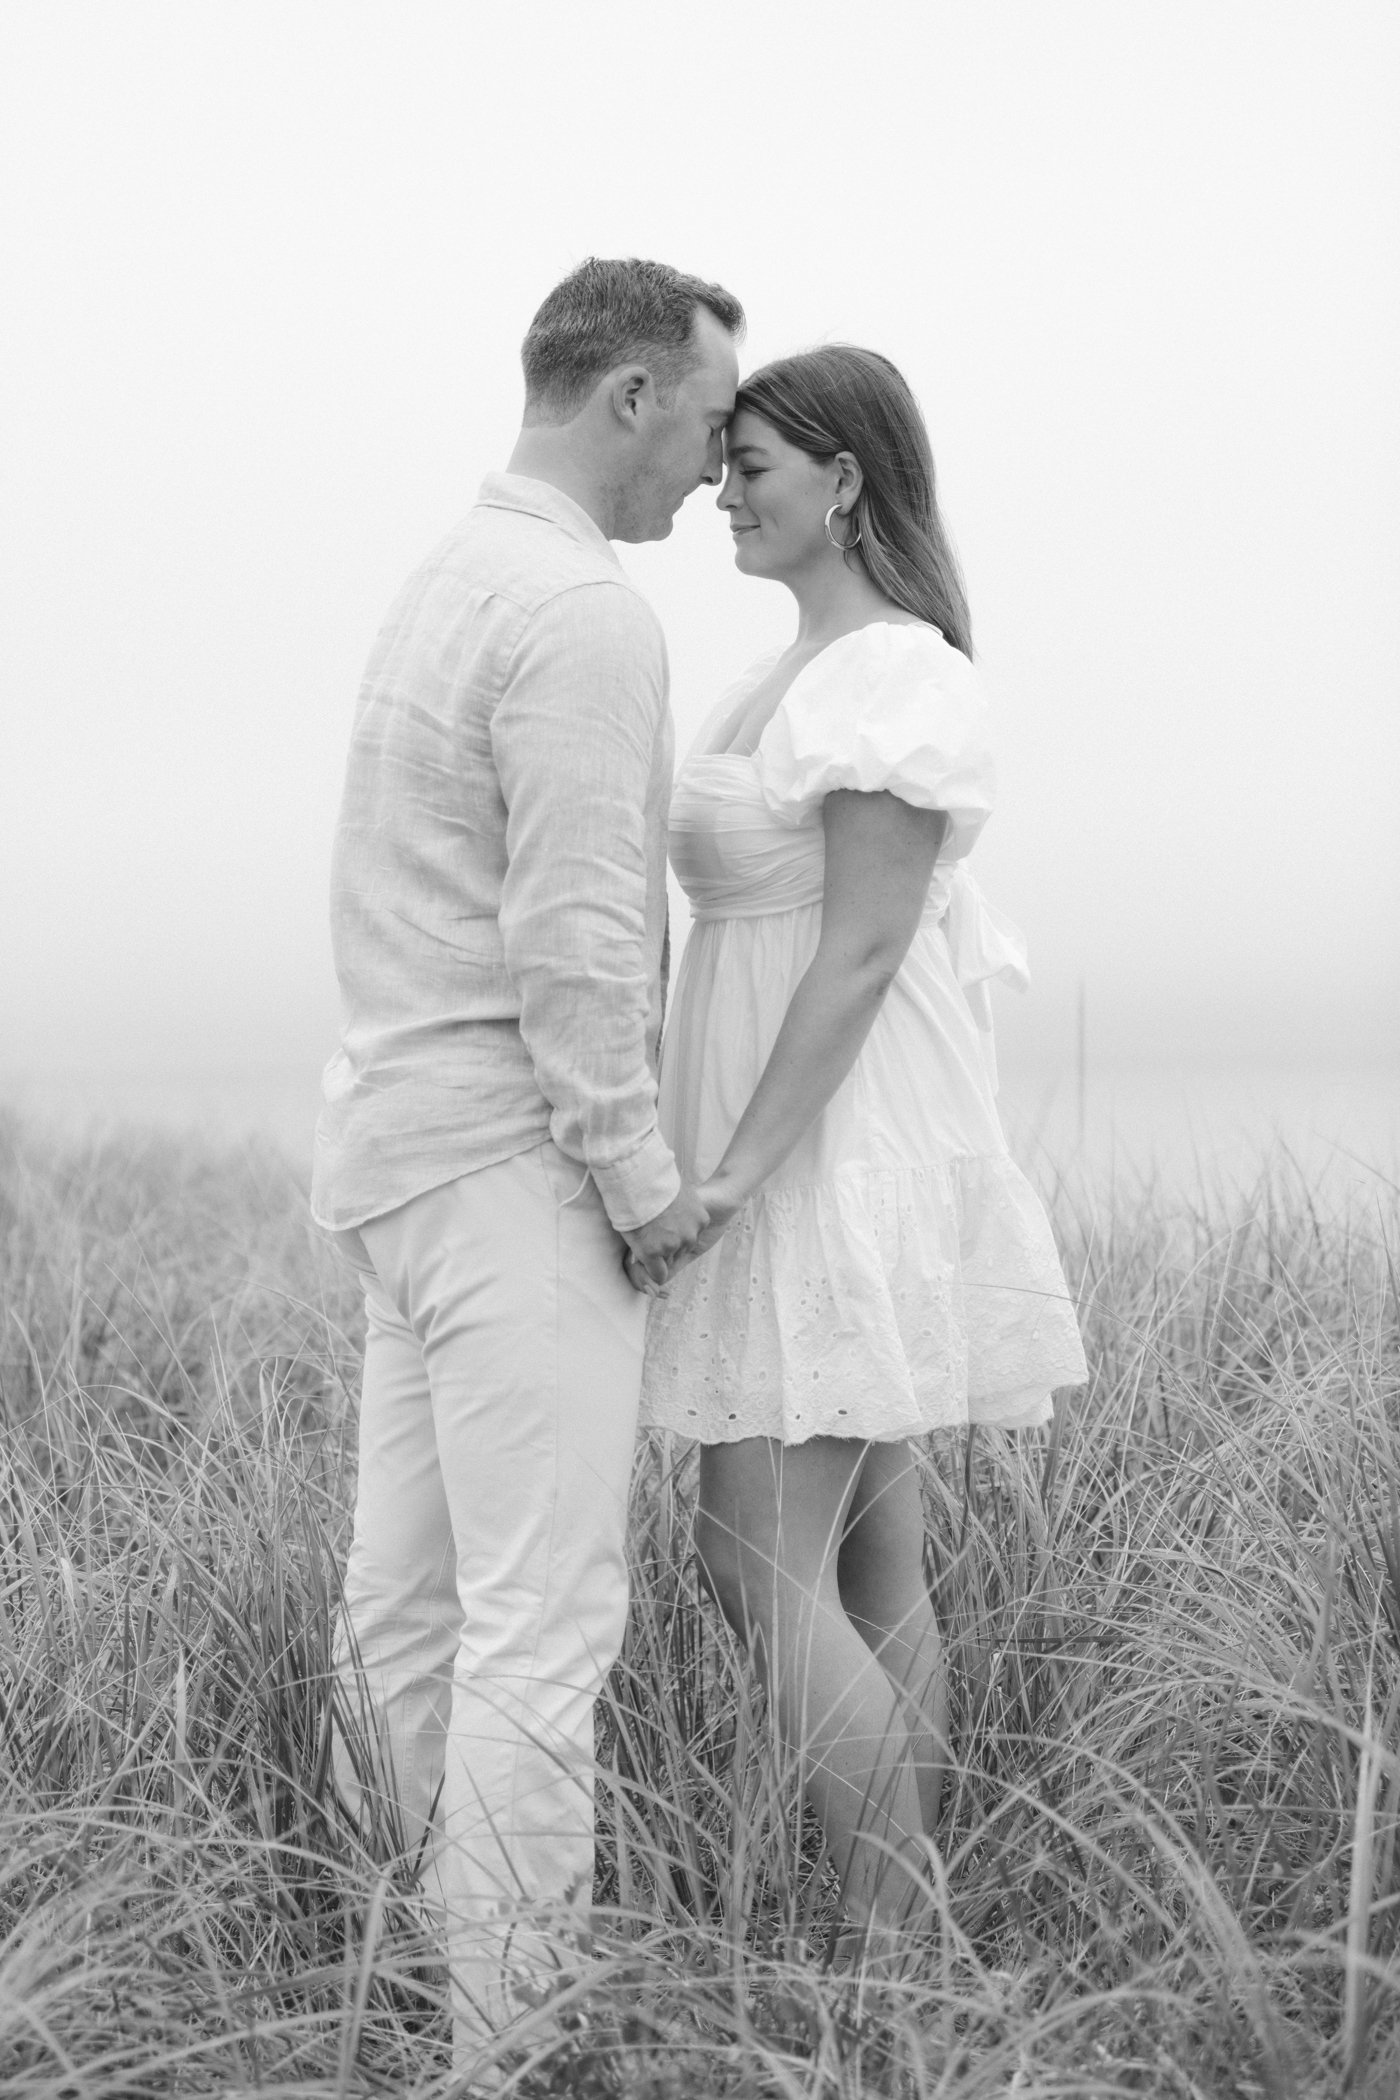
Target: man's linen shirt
[{"x": 498, "y": 892}]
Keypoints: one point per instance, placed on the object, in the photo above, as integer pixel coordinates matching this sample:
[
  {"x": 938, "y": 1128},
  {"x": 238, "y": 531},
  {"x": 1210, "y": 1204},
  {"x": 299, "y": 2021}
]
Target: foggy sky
[{"x": 268, "y": 268}]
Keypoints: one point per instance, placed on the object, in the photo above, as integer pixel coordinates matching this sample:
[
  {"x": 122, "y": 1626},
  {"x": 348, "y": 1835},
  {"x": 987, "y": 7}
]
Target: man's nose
[{"x": 714, "y": 462}]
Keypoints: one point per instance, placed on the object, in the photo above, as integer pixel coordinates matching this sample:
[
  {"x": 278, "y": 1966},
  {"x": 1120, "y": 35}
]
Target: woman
[{"x": 877, "y": 1266}]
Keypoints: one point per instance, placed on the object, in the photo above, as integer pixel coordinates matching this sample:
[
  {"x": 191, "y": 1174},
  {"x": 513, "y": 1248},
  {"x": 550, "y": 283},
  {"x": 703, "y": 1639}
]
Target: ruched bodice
[
  {"x": 896, "y": 1272},
  {"x": 731, "y": 859},
  {"x": 735, "y": 861}
]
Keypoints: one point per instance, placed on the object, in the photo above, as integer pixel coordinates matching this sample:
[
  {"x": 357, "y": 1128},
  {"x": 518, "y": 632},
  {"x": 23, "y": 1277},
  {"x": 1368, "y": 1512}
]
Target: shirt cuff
[{"x": 636, "y": 1188}]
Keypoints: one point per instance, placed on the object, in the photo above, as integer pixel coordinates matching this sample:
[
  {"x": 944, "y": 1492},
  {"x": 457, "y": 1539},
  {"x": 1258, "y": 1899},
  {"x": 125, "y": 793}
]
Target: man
[{"x": 488, "y": 1152}]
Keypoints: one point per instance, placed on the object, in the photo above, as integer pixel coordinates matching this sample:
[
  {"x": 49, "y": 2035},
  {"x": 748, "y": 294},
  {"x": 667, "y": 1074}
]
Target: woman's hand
[{"x": 723, "y": 1198}]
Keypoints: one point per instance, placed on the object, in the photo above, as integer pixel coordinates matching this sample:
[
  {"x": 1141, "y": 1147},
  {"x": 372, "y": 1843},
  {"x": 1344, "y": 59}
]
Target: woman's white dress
[{"x": 897, "y": 1273}]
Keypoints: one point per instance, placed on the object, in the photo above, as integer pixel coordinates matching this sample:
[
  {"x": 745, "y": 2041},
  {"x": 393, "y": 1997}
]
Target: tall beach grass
[{"x": 1168, "y": 1864}]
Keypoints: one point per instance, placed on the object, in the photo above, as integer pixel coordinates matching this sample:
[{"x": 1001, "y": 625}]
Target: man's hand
[{"x": 665, "y": 1241}]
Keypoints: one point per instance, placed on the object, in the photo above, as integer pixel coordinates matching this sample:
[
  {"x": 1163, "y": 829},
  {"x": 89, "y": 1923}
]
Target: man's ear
[{"x": 628, "y": 389}]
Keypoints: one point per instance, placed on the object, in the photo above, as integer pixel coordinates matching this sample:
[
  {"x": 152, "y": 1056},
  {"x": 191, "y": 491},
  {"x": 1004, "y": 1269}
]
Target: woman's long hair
[{"x": 843, "y": 399}]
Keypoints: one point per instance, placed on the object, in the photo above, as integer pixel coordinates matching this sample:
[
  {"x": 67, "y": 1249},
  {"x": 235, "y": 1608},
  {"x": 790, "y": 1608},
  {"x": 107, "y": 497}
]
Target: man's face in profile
[{"x": 685, "y": 436}]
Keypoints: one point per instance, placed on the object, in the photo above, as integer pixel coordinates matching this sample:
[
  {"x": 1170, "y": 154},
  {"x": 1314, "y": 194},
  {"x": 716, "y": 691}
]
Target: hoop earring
[{"x": 841, "y": 546}]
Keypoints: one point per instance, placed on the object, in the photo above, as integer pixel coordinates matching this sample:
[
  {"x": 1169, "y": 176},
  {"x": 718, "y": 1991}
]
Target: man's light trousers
[{"x": 486, "y": 1590}]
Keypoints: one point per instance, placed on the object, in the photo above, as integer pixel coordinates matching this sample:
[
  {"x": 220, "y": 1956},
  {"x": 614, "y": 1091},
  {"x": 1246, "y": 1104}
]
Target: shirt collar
[{"x": 540, "y": 499}]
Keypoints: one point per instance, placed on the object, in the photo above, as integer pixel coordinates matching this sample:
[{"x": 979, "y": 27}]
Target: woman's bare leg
[
  {"x": 768, "y": 1535},
  {"x": 880, "y": 1573}
]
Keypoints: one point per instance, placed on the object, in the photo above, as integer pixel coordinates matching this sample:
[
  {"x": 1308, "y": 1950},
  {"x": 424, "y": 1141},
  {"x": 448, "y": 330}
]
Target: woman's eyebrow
[{"x": 735, "y": 450}]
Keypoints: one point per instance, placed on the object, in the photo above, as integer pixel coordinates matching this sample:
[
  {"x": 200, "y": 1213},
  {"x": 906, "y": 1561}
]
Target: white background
[{"x": 266, "y": 271}]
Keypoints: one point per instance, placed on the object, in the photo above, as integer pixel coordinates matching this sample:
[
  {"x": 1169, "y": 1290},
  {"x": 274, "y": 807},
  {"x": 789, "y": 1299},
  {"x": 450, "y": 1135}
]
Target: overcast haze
[{"x": 267, "y": 270}]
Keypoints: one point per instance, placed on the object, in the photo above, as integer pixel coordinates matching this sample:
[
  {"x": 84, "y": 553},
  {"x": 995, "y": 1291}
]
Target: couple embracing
[{"x": 801, "y": 1242}]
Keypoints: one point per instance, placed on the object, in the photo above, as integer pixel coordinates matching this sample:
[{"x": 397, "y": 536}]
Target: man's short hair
[{"x": 606, "y": 314}]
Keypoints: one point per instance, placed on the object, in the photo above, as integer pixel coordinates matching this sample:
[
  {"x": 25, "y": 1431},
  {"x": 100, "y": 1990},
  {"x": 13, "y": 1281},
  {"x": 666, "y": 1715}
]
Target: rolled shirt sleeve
[{"x": 576, "y": 736}]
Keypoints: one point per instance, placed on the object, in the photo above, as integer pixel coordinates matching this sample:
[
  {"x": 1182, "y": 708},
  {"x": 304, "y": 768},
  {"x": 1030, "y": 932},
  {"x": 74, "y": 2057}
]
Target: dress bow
[{"x": 983, "y": 944}]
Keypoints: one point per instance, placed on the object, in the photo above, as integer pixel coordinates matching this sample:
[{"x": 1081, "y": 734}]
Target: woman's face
[{"x": 776, "y": 498}]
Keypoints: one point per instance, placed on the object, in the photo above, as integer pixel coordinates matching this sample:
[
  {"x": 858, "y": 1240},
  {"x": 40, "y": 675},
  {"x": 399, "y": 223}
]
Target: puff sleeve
[{"x": 888, "y": 707}]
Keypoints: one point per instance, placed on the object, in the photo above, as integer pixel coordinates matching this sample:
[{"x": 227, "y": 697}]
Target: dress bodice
[
  {"x": 886, "y": 708},
  {"x": 734, "y": 858}
]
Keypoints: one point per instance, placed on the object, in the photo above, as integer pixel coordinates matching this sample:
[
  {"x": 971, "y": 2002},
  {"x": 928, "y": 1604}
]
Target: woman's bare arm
[{"x": 879, "y": 857}]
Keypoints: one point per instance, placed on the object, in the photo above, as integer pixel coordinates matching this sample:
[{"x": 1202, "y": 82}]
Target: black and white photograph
[{"x": 700, "y": 1050}]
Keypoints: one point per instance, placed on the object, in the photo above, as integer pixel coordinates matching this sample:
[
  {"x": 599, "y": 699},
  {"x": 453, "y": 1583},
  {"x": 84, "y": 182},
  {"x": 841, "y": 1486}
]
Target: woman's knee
[
  {"x": 719, "y": 1558},
  {"x": 745, "y": 1578},
  {"x": 882, "y": 1551}
]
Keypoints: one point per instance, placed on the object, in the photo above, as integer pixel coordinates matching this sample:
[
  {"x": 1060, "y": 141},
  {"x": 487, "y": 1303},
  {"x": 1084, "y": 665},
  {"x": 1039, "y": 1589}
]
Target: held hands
[
  {"x": 688, "y": 1226},
  {"x": 664, "y": 1242}
]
